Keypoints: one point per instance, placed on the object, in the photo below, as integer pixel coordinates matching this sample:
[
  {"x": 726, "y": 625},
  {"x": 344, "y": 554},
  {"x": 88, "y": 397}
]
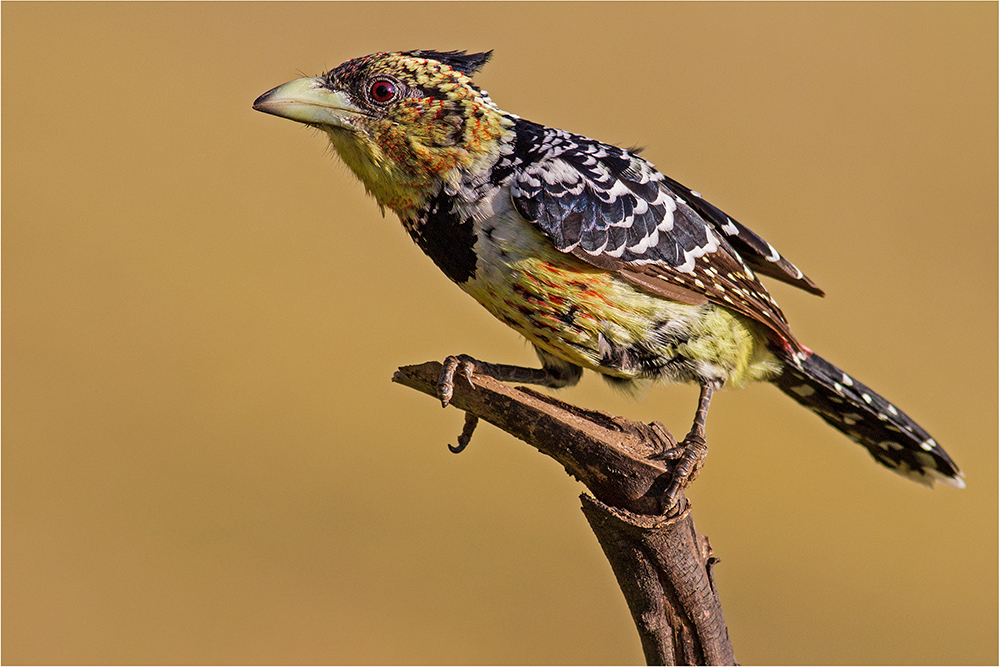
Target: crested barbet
[{"x": 585, "y": 249}]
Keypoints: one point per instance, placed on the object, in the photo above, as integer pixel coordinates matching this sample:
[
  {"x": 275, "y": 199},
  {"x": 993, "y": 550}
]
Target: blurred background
[{"x": 204, "y": 460}]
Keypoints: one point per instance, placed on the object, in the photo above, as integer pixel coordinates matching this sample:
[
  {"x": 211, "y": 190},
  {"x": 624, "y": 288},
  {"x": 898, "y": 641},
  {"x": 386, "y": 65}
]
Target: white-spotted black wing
[
  {"x": 613, "y": 209},
  {"x": 600, "y": 202},
  {"x": 755, "y": 251}
]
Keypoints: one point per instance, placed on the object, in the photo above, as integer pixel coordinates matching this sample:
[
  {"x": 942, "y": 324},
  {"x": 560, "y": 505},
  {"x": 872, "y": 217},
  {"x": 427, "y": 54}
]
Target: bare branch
[{"x": 663, "y": 565}]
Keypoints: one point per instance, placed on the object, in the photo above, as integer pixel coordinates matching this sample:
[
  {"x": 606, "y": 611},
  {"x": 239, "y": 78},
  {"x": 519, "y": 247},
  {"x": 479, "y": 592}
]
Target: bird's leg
[
  {"x": 690, "y": 453},
  {"x": 554, "y": 376}
]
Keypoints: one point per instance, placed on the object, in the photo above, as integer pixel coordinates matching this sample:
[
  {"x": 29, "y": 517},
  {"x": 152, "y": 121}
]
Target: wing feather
[
  {"x": 614, "y": 210},
  {"x": 758, "y": 254}
]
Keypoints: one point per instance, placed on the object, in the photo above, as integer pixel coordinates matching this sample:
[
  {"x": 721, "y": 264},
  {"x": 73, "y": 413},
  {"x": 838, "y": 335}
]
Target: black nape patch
[
  {"x": 466, "y": 63},
  {"x": 446, "y": 239}
]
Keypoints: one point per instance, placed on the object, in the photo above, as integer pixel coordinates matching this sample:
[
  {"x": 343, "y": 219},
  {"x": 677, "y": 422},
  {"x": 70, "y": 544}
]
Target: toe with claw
[
  {"x": 471, "y": 421},
  {"x": 689, "y": 456},
  {"x": 463, "y": 364}
]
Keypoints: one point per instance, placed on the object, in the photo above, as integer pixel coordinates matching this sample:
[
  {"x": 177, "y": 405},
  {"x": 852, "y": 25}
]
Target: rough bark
[{"x": 663, "y": 565}]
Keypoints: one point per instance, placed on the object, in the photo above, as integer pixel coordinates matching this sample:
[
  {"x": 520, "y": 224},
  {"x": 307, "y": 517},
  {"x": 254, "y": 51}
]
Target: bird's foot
[
  {"x": 550, "y": 375},
  {"x": 688, "y": 456},
  {"x": 463, "y": 364}
]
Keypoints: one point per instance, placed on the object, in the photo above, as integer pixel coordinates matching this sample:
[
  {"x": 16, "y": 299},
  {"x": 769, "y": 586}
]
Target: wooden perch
[{"x": 663, "y": 565}]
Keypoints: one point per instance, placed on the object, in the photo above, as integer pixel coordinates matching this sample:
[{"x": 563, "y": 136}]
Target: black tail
[{"x": 895, "y": 440}]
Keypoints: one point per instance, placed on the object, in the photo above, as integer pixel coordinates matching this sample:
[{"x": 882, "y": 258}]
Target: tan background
[{"x": 204, "y": 459}]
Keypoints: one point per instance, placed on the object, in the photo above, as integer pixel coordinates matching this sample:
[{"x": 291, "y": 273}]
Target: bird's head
[{"x": 403, "y": 122}]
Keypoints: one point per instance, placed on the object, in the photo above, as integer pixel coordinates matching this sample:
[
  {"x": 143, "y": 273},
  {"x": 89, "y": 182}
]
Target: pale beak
[{"x": 309, "y": 100}]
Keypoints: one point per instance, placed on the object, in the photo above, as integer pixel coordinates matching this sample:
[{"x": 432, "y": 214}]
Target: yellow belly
[{"x": 593, "y": 318}]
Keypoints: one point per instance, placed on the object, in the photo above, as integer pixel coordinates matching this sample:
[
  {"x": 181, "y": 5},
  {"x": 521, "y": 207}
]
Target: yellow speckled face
[{"x": 418, "y": 119}]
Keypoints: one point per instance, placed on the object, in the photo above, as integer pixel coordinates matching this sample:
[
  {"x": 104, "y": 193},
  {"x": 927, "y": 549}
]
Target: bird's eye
[{"x": 382, "y": 90}]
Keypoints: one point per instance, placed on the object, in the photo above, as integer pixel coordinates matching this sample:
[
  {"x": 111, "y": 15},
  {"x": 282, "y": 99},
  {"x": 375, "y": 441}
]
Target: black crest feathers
[{"x": 466, "y": 63}]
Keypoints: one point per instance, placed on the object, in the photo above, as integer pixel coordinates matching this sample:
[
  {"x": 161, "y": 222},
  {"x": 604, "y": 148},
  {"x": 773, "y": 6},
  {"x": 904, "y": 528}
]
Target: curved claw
[
  {"x": 664, "y": 440},
  {"x": 471, "y": 421}
]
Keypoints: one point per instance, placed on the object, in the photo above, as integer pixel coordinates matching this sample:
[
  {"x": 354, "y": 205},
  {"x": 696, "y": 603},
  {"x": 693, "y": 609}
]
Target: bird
[{"x": 586, "y": 250}]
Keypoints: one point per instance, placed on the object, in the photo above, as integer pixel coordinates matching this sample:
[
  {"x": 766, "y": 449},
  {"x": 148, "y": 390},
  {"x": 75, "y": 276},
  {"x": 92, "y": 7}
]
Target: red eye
[{"x": 383, "y": 91}]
